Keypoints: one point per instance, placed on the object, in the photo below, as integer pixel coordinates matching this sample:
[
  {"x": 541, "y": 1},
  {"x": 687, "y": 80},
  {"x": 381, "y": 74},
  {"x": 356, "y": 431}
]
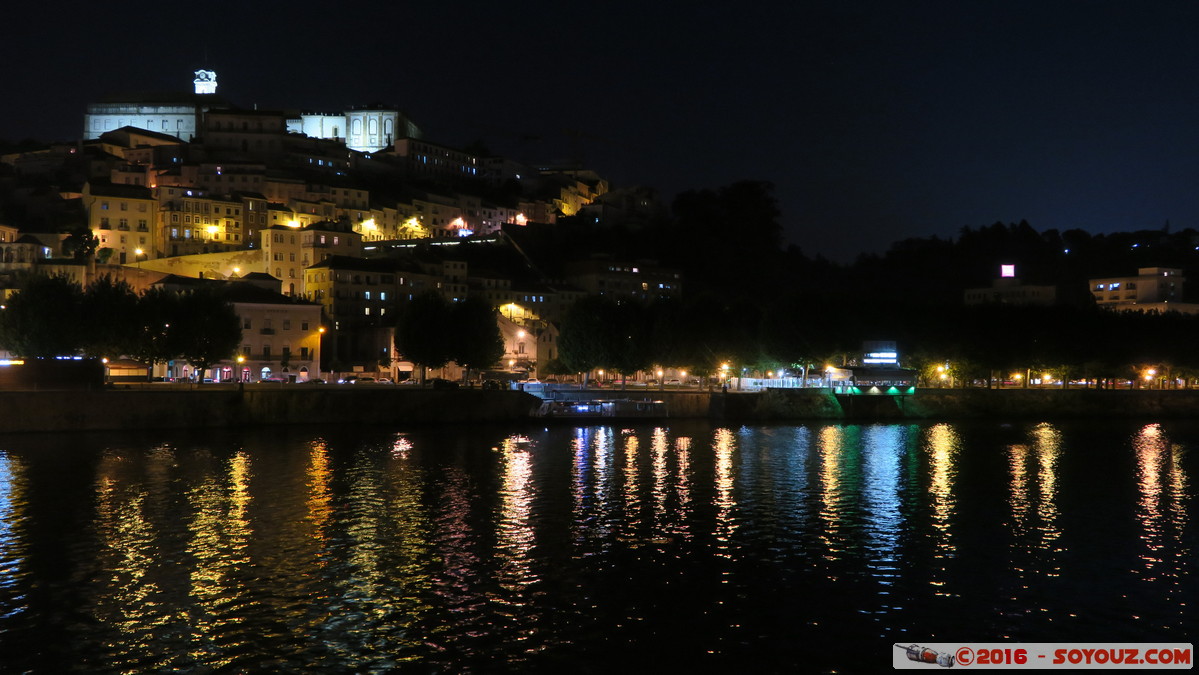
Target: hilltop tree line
[
  {"x": 973, "y": 344},
  {"x": 752, "y": 302}
]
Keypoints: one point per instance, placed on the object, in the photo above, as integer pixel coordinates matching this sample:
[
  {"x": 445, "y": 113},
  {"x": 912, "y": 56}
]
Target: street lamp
[{"x": 137, "y": 255}]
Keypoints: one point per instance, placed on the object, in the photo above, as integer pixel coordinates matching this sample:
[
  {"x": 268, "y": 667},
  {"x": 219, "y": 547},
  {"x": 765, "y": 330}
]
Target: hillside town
[
  {"x": 333, "y": 219},
  {"x": 321, "y": 228}
]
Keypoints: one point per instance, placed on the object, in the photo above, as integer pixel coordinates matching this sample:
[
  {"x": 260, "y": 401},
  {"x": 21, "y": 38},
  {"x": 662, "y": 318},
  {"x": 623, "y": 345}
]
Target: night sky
[{"x": 876, "y": 121}]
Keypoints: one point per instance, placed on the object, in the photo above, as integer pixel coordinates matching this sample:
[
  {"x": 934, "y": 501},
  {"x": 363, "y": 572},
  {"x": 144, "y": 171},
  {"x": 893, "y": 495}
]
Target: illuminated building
[
  {"x": 361, "y": 297},
  {"x": 1152, "y": 289},
  {"x": 281, "y": 336},
  {"x": 366, "y": 129},
  {"x": 122, "y": 218},
  {"x": 288, "y": 251},
  {"x": 176, "y": 113},
  {"x": 196, "y": 221}
]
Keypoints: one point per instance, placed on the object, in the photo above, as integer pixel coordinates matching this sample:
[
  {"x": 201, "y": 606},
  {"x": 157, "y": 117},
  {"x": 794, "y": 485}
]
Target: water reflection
[
  {"x": 884, "y": 448},
  {"x": 11, "y": 546},
  {"x": 1162, "y": 505},
  {"x": 461, "y": 551},
  {"x": 1033, "y": 500},
  {"x": 515, "y": 535},
  {"x": 220, "y": 533},
  {"x": 724, "y": 443},
  {"x": 831, "y": 449},
  {"x": 320, "y": 495},
  {"x": 942, "y": 444}
]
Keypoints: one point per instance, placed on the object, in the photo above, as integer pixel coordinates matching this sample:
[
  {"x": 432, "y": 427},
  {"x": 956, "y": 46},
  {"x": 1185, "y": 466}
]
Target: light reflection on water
[{"x": 482, "y": 551}]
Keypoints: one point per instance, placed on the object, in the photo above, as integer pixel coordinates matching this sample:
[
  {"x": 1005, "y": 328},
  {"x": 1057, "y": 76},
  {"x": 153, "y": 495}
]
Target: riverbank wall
[
  {"x": 217, "y": 406},
  {"x": 213, "y": 407},
  {"x": 951, "y": 404}
]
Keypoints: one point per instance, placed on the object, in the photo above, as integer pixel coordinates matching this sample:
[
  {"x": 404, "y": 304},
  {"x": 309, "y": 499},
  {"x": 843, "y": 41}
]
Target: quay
[{"x": 216, "y": 405}]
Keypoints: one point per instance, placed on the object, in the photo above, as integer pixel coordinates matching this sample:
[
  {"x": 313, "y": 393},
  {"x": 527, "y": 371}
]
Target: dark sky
[{"x": 875, "y": 120}]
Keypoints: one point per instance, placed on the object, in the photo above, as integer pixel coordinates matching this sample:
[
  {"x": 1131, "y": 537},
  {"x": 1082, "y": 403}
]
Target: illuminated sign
[
  {"x": 1007, "y": 271},
  {"x": 205, "y": 82}
]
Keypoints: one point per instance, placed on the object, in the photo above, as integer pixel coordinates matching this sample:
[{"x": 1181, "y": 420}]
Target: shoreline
[{"x": 209, "y": 407}]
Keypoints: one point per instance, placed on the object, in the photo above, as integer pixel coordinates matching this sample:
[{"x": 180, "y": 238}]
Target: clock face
[{"x": 205, "y": 76}]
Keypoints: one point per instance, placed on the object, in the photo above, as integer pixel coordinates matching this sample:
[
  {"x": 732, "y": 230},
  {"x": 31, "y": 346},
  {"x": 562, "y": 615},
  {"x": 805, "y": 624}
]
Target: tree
[
  {"x": 586, "y": 337},
  {"x": 42, "y": 319},
  {"x": 422, "y": 334},
  {"x": 209, "y": 329},
  {"x": 81, "y": 244},
  {"x": 475, "y": 340},
  {"x": 157, "y": 333},
  {"x": 108, "y": 318}
]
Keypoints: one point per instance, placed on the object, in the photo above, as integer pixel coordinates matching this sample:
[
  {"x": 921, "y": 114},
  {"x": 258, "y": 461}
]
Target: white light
[{"x": 1007, "y": 271}]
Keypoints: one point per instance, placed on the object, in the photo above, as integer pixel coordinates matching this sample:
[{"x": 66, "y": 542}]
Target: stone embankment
[{"x": 216, "y": 406}]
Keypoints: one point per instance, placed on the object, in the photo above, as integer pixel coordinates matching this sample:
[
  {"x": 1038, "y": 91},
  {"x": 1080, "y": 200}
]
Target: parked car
[
  {"x": 673, "y": 383},
  {"x": 315, "y": 380},
  {"x": 385, "y": 380},
  {"x": 439, "y": 383},
  {"x": 364, "y": 380},
  {"x": 492, "y": 385}
]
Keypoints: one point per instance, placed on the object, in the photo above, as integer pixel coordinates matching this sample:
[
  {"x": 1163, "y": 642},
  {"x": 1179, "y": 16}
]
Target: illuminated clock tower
[{"x": 205, "y": 82}]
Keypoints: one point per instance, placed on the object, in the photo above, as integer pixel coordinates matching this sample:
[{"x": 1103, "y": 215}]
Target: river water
[{"x": 684, "y": 547}]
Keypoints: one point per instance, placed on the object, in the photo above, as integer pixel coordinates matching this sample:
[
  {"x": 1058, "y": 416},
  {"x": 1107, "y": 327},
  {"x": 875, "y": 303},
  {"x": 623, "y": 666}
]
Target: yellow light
[
  {"x": 241, "y": 359},
  {"x": 724, "y": 366},
  {"x": 212, "y": 229},
  {"x": 521, "y": 219},
  {"x": 770, "y": 373},
  {"x": 940, "y": 369},
  {"x": 321, "y": 329},
  {"x": 511, "y": 362},
  {"x": 659, "y": 373},
  {"x": 1017, "y": 376},
  {"x": 293, "y": 223},
  {"x": 138, "y": 251},
  {"x": 520, "y": 334},
  {"x": 601, "y": 372},
  {"x": 1046, "y": 377},
  {"x": 682, "y": 374},
  {"x": 1148, "y": 377},
  {"x": 369, "y": 224},
  {"x": 1151, "y": 371},
  {"x": 237, "y": 270},
  {"x": 944, "y": 376}
]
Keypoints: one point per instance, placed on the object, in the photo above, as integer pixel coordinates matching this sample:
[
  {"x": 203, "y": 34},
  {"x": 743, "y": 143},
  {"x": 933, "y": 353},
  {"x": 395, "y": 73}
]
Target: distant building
[
  {"x": 1152, "y": 289},
  {"x": 122, "y": 217},
  {"x": 1007, "y": 289},
  {"x": 175, "y": 113},
  {"x": 878, "y": 374},
  {"x": 644, "y": 280},
  {"x": 366, "y": 129}
]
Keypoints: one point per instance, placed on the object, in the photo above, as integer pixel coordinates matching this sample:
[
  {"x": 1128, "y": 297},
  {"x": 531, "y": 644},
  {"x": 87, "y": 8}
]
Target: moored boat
[{"x": 602, "y": 409}]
